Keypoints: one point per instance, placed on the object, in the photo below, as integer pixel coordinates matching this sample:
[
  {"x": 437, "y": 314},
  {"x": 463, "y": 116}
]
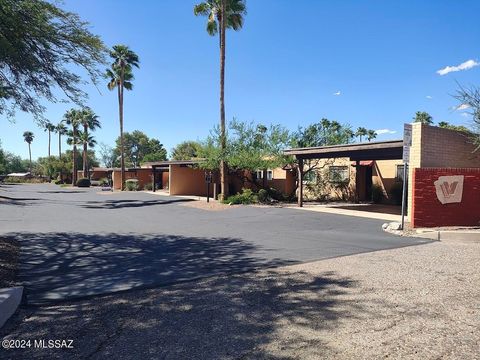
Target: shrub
[
  {"x": 83, "y": 182},
  {"x": 377, "y": 193},
  {"x": 263, "y": 195},
  {"x": 24, "y": 180},
  {"x": 58, "y": 182},
  {"x": 396, "y": 193},
  {"x": 104, "y": 181},
  {"x": 246, "y": 197},
  {"x": 148, "y": 186},
  {"x": 131, "y": 185}
]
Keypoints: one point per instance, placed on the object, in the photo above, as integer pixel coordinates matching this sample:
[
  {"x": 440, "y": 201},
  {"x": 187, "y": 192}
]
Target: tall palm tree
[
  {"x": 60, "y": 129},
  {"x": 361, "y": 131},
  {"x": 222, "y": 15},
  {"x": 28, "y": 138},
  {"x": 371, "y": 134},
  {"x": 121, "y": 76},
  {"x": 72, "y": 118},
  {"x": 90, "y": 122},
  {"x": 49, "y": 127}
]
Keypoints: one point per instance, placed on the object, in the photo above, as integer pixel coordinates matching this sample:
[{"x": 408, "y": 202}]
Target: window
[
  {"x": 259, "y": 174},
  {"x": 269, "y": 174},
  {"x": 399, "y": 174},
  {"x": 310, "y": 177},
  {"x": 338, "y": 174}
]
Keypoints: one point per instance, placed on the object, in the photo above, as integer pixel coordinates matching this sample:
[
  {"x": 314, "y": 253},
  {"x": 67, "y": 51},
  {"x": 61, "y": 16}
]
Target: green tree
[
  {"x": 42, "y": 47},
  {"x": 107, "y": 155},
  {"x": 361, "y": 132},
  {"x": 461, "y": 128},
  {"x": 28, "y": 138},
  {"x": 470, "y": 96},
  {"x": 423, "y": 117},
  {"x": 139, "y": 148},
  {"x": 120, "y": 76},
  {"x": 89, "y": 121},
  {"x": 222, "y": 15},
  {"x": 49, "y": 127},
  {"x": 371, "y": 134},
  {"x": 72, "y": 118},
  {"x": 186, "y": 150},
  {"x": 61, "y": 130}
]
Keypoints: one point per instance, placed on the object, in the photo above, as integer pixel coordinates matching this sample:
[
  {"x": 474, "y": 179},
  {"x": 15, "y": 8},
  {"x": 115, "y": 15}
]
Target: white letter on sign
[{"x": 449, "y": 189}]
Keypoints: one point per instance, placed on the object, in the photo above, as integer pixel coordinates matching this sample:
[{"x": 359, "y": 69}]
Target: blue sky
[{"x": 285, "y": 66}]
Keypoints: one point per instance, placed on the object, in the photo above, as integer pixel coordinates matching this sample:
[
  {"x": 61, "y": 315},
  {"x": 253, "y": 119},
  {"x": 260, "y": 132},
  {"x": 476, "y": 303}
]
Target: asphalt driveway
[{"x": 82, "y": 242}]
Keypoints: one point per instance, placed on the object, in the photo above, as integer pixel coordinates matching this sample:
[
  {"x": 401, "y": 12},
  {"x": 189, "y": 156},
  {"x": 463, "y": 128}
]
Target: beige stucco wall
[
  {"x": 384, "y": 175},
  {"x": 187, "y": 181}
]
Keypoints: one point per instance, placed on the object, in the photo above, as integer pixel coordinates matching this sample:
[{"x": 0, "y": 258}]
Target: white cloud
[
  {"x": 462, "y": 107},
  {"x": 464, "y": 114},
  {"x": 338, "y": 93},
  {"x": 385, "y": 131},
  {"x": 463, "y": 66},
  {"x": 429, "y": 97}
]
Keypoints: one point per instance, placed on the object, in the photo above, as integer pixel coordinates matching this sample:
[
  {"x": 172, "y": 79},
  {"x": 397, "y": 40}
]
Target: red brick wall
[{"x": 428, "y": 211}]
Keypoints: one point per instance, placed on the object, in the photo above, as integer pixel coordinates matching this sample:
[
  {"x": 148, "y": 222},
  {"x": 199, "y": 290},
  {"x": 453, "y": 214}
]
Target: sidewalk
[{"x": 342, "y": 211}]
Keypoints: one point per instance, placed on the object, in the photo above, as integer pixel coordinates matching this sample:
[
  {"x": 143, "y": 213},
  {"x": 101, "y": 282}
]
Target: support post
[
  {"x": 404, "y": 193},
  {"x": 154, "y": 178},
  {"x": 357, "y": 177},
  {"x": 300, "y": 182}
]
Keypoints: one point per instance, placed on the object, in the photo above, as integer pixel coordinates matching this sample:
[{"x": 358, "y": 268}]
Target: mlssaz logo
[{"x": 449, "y": 189}]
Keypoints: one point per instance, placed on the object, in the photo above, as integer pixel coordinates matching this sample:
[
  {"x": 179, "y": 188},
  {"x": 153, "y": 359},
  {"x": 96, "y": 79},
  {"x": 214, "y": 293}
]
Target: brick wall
[{"x": 428, "y": 211}]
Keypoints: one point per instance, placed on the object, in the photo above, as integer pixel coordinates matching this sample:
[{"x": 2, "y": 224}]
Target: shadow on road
[
  {"x": 57, "y": 266},
  {"x": 120, "y": 204}
]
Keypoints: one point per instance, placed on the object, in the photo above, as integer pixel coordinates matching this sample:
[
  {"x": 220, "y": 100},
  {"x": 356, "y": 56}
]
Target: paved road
[{"x": 81, "y": 242}]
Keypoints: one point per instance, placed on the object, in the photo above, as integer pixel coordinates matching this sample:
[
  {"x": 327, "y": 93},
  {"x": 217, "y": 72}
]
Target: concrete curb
[
  {"x": 435, "y": 234},
  {"x": 10, "y": 299}
]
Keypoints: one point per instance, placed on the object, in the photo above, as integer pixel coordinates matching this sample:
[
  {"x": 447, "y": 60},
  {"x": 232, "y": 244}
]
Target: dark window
[{"x": 338, "y": 174}]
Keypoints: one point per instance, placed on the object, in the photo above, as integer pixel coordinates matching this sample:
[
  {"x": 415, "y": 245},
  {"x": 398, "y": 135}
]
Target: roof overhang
[{"x": 380, "y": 150}]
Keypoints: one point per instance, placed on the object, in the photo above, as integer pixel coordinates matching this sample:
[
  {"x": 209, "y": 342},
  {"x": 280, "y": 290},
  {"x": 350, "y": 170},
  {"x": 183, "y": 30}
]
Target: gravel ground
[
  {"x": 8, "y": 262},
  {"x": 419, "y": 302}
]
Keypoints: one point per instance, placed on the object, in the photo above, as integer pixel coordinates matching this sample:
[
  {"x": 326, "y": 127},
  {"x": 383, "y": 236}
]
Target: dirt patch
[
  {"x": 9, "y": 253},
  {"x": 210, "y": 206}
]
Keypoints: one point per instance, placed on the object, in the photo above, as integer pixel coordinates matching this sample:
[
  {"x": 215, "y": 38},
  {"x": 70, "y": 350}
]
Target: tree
[
  {"x": 49, "y": 127},
  {"x": 361, "y": 131},
  {"x": 222, "y": 15},
  {"x": 423, "y": 117},
  {"x": 461, "y": 128},
  {"x": 107, "y": 155},
  {"x": 186, "y": 150},
  {"x": 371, "y": 134},
  {"x": 28, "y": 138},
  {"x": 90, "y": 122},
  {"x": 470, "y": 96},
  {"x": 60, "y": 129},
  {"x": 139, "y": 148},
  {"x": 72, "y": 118},
  {"x": 42, "y": 46},
  {"x": 121, "y": 77}
]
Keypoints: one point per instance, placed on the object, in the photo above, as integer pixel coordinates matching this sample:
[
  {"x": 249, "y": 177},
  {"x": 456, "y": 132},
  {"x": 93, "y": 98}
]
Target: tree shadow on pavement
[
  {"x": 266, "y": 315},
  {"x": 58, "y": 266},
  {"x": 119, "y": 204}
]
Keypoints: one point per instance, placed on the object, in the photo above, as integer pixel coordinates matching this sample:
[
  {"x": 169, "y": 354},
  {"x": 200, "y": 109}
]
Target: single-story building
[{"x": 442, "y": 166}]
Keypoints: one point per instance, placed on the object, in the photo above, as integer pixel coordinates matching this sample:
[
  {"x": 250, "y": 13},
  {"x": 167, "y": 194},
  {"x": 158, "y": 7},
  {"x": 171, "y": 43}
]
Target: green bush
[
  {"x": 131, "y": 185},
  {"x": 263, "y": 196},
  {"x": 148, "y": 186},
  {"x": 58, "y": 182},
  {"x": 247, "y": 196},
  {"x": 83, "y": 182},
  {"x": 396, "y": 193},
  {"x": 377, "y": 193},
  {"x": 23, "y": 180}
]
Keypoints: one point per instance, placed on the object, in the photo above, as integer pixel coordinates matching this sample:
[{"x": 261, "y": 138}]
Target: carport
[{"x": 362, "y": 152}]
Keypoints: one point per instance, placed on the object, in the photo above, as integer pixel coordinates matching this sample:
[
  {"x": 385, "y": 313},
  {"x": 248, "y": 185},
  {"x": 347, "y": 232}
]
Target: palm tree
[
  {"x": 89, "y": 121},
  {"x": 222, "y": 15},
  {"x": 72, "y": 118},
  {"x": 60, "y": 129},
  {"x": 349, "y": 134},
  {"x": 28, "y": 138},
  {"x": 423, "y": 117},
  {"x": 121, "y": 76},
  {"x": 361, "y": 131},
  {"x": 49, "y": 127},
  {"x": 371, "y": 134}
]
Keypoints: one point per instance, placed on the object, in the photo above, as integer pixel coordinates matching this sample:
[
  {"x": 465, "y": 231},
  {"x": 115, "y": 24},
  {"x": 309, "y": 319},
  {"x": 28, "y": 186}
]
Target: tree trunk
[
  {"x": 30, "y": 156},
  {"x": 85, "y": 148},
  {"x": 122, "y": 150},
  {"x": 223, "y": 142},
  {"x": 59, "y": 145},
  {"x": 49, "y": 141},
  {"x": 74, "y": 158}
]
